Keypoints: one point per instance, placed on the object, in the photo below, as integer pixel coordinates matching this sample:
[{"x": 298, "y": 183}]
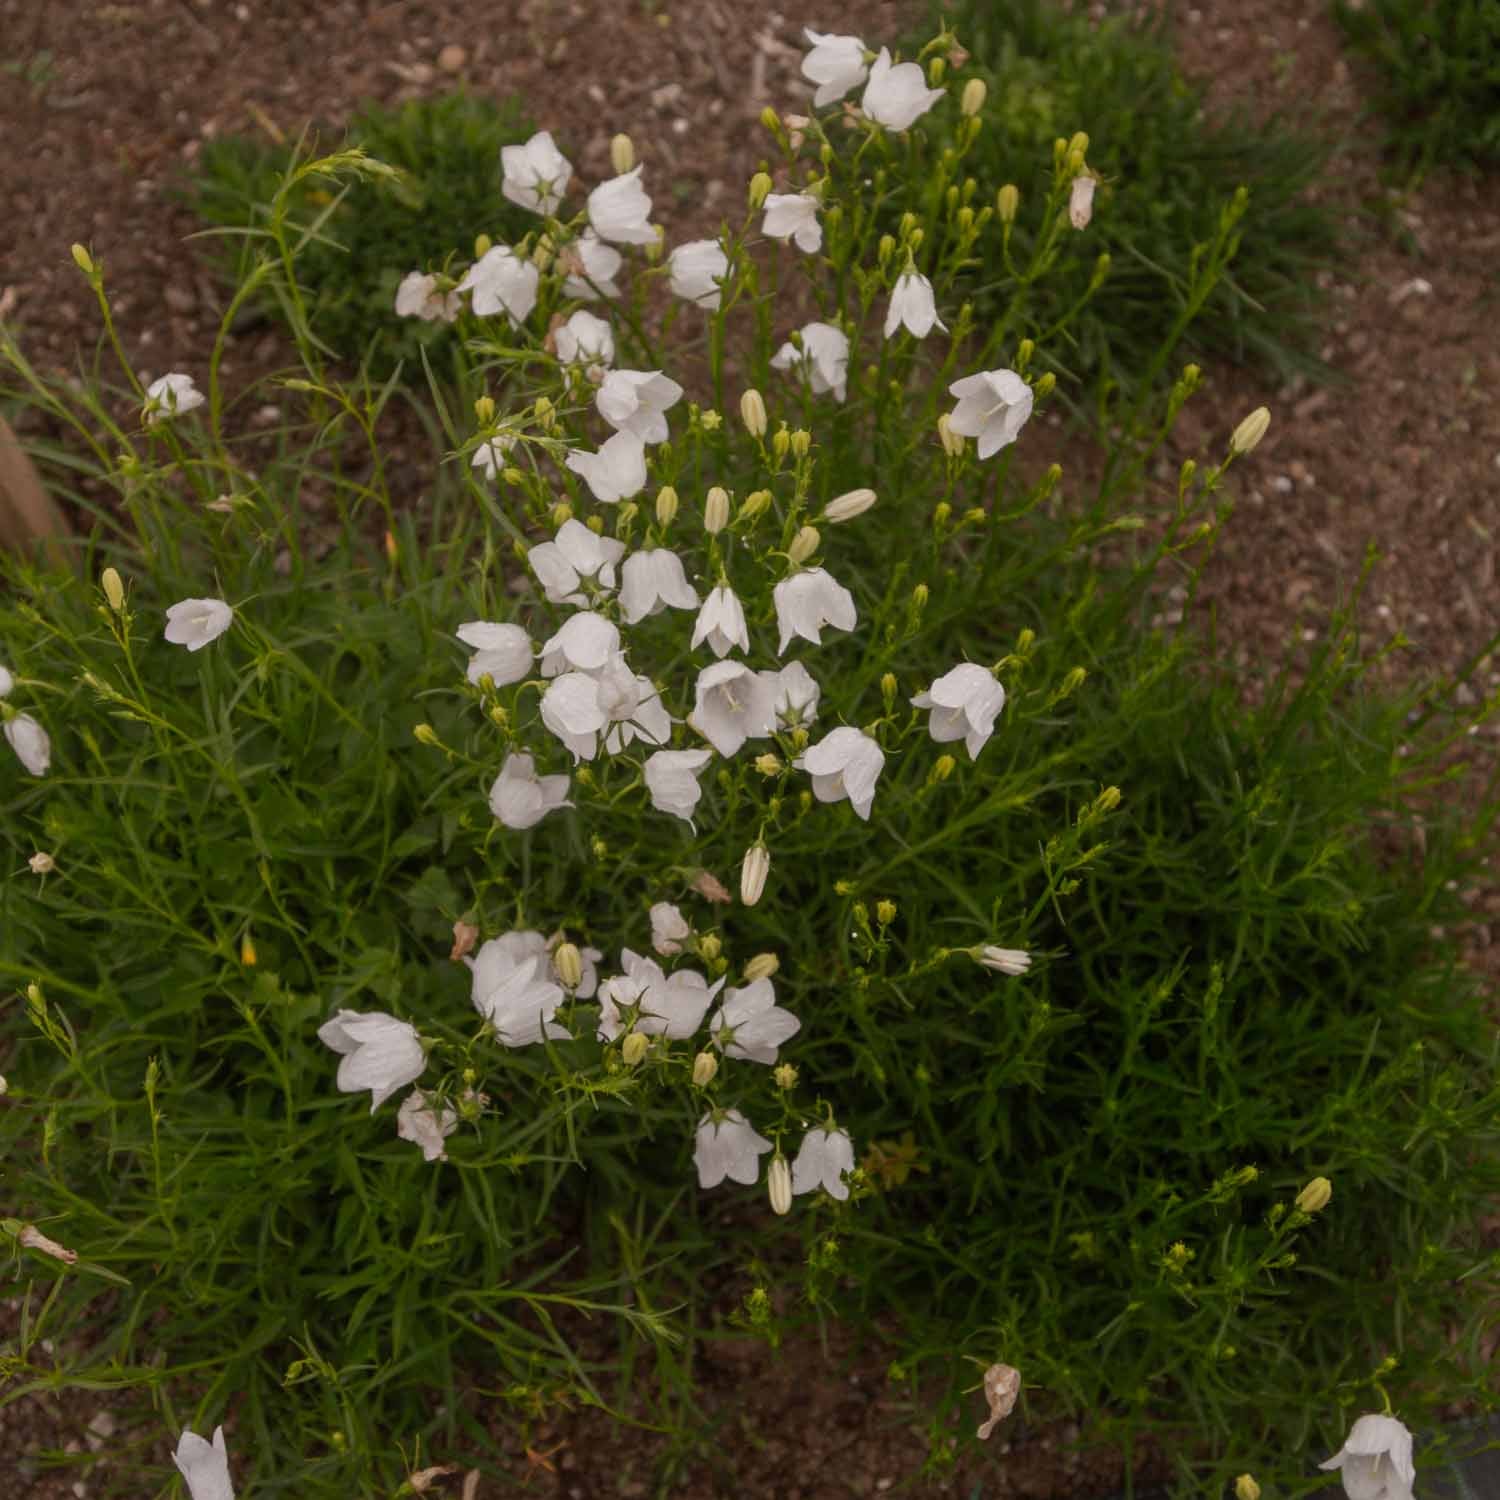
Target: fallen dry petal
[
  {"x": 1002, "y": 1384},
  {"x": 34, "y": 1239}
]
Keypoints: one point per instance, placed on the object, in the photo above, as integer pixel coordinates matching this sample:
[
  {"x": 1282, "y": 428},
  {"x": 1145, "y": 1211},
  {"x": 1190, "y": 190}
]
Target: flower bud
[
  {"x": 1045, "y": 385},
  {"x": 1314, "y": 1197},
  {"x": 666, "y": 505},
  {"x": 633, "y": 1048},
  {"x": 425, "y": 734},
  {"x": 770, "y": 119},
  {"x": 779, "y": 1183},
  {"x": 42, "y": 864},
  {"x": 483, "y": 244},
  {"x": 1107, "y": 801},
  {"x": 4, "y": 1086},
  {"x": 785, "y": 1076},
  {"x": 755, "y": 503},
  {"x": 1250, "y": 432},
  {"x": 561, "y": 512},
  {"x": 512, "y": 475},
  {"x": 801, "y": 442},
  {"x": 847, "y": 506},
  {"x": 596, "y": 525},
  {"x": 498, "y": 716},
  {"x": 83, "y": 260},
  {"x": 716, "y": 510},
  {"x": 943, "y": 767},
  {"x": 709, "y": 947},
  {"x": 768, "y": 764},
  {"x": 953, "y": 444},
  {"x": 886, "y": 248},
  {"x": 1007, "y": 201},
  {"x": 753, "y": 413},
  {"x": 568, "y": 962},
  {"x": 392, "y": 551},
  {"x": 114, "y": 590},
  {"x": 247, "y": 951},
  {"x": 888, "y": 689},
  {"x": 972, "y": 99},
  {"x": 919, "y": 597},
  {"x": 484, "y": 410},
  {"x": 804, "y": 544},
  {"x": 1245, "y": 1488},
  {"x": 760, "y": 187},
  {"x": 941, "y": 513},
  {"x": 753, "y": 872},
  {"x": 781, "y": 440},
  {"x": 937, "y": 70},
  {"x": 885, "y": 912},
  {"x": 762, "y": 966},
  {"x": 705, "y": 1066},
  {"x": 621, "y": 154}
]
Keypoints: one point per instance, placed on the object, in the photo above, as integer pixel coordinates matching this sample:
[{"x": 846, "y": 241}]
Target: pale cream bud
[
  {"x": 484, "y": 410},
  {"x": 972, "y": 99},
  {"x": 568, "y": 962},
  {"x": 1314, "y": 1197},
  {"x": 621, "y": 154},
  {"x": 804, "y": 544},
  {"x": 114, "y": 590},
  {"x": 885, "y": 912},
  {"x": 785, "y": 1076},
  {"x": 1250, "y": 431},
  {"x": 755, "y": 503},
  {"x": 666, "y": 505},
  {"x": 953, "y": 444},
  {"x": 710, "y": 946},
  {"x": 753, "y": 872},
  {"x": 633, "y": 1048},
  {"x": 1007, "y": 201},
  {"x": 753, "y": 413},
  {"x": 716, "y": 510},
  {"x": 762, "y": 966},
  {"x": 1245, "y": 1488},
  {"x": 768, "y": 764},
  {"x": 41, "y": 864},
  {"x": 83, "y": 260},
  {"x": 425, "y": 734},
  {"x": 847, "y": 506},
  {"x": 705, "y": 1067},
  {"x": 779, "y": 1184},
  {"x": 760, "y": 187},
  {"x": 801, "y": 442},
  {"x": 781, "y": 441},
  {"x": 561, "y": 512}
]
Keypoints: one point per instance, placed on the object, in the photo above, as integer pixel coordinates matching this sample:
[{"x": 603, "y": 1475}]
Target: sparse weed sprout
[{"x": 666, "y": 658}]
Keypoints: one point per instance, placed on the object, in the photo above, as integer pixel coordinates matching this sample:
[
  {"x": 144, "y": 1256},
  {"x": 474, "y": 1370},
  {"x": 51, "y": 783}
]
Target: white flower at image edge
[
  {"x": 669, "y": 929},
  {"x": 204, "y": 1465},
  {"x": 616, "y": 472},
  {"x": 846, "y": 762},
  {"x": 171, "y": 396},
  {"x": 793, "y": 216},
  {"x": 636, "y": 401},
  {"x": 652, "y": 580},
  {"x": 194, "y": 623},
  {"x": 501, "y": 652},
  {"x": 418, "y": 297},
  {"x": 380, "y": 1053},
  {"x": 585, "y": 340},
  {"x": 520, "y": 798},
  {"x": 750, "y": 1024},
  {"x": 809, "y": 600},
  {"x": 1375, "y": 1462},
  {"x": 696, "y": 269},
  {"x": 584, "y": 643},
  {"x": 897, "y": 93},
  {"x": 489, "y": 458},
  {"x": 502, "y": 282},
  {"x": 620, "y": 209},
  {"x": 536, "y": 174},
  {"x": 574, "y": 554},
  {"x": 592, "y": 266},
  {"x": 913, "y": 305},
  {"x": 732, "y": 704},
  {"x": 992, "y": 406},
  {"x": 835, "y": 63},
  {"x": 821, "y": 1163},
  {"x": 672, "y": 781},
  {"x": 823, "y": 358},
  {"x": 964, "y": 704},
  {"x": 514, "y": 990},
  {"x": 728, "y": 1147},
  {"x": 30, "y": 742},
  {"x": 418, "y": 1122}
]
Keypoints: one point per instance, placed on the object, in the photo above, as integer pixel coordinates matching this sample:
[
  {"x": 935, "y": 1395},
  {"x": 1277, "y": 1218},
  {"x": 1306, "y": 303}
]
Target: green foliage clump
[
  {"x": 363, "y": 238},
  {"x": 1438, "y": 72},
  {"x": 1167, "y": 170}
]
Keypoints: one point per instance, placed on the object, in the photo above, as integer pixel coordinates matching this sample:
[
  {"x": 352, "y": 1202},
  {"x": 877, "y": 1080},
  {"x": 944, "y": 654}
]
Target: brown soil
[{"x": 102, "y": 105}]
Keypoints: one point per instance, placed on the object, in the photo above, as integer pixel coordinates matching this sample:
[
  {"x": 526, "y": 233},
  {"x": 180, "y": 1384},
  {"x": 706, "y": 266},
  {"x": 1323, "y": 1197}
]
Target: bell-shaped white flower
[
  {"x": 793, "y": 216},
  {"x": 584, "y": 643},
  {"x": 619, "y": 1001},
  {"x": 585, "y": 340},
  {"x": 574, "y": 554},
  {"x": 170, "y": 396},
  {"x": 897, "y": 94},
  {"x": 696, "y": 270},
  {"x": 1081, "y": 200},
  {"x": 1375, "y": 1462},
  {"x": 502, "y": 281},
  {"x": 669, "y": 1005},
  {"x": 913, "y": 305},
  {"x": 516, "y": 994},
  {"x": 825, "y": 1157},
  {"x": 417, "y": 1121},
  {"x": 30, "y": 742},
  {"x": 751, "y": 1025},
  {"x": 809, "y": 600},
  {"x": 7, "y": 682},
  {"x": 418, "y": 297},
  {"x": 795, "y": 695},
  {"x": 835, "y": 63},
  {"x": 520, "y": 798},
  {"x": 616, "y": 472},
  {"x": 823, "y": 359},
  {"x": 1011, "y": 961},
  {"x": 721, "y": 623},
  {"x": 964, "y": 703},
  {"x": 728, "y": 1146},
  {"x": 571, "y": 710},
  {"x": 635, "y": 401},
  {"x": 672, "y": 780},
  {"x": 489, "y": 458},
  {"x": 732, "y": 704},
  {"x": 992, "y": 406},
  {"x": 502, "y": 955},
  {"x": 204, "y": 1465},
  {"x": 536, "y": 174},
  {"x": 194, "y": 623},
  {"x": 652, "y": 579},
  {"x": 592, "y": 267},
  {"x": 379, "y": 1053},
  {"x": 669, "y": 929},
  {"x": 501, "y": 652},
  {"x": 846, "y": 762},
  {"x": 632, "y": 707},
  {"x": 620, "y": 210}
]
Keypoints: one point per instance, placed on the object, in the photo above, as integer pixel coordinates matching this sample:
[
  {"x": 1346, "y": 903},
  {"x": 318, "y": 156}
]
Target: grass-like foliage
[
  {"x": 1167, "y": 169},
  {"x": 1437, "y": 67},
  {"x": 364, "y": 236},
  {"x": 1073, "y": 995}
]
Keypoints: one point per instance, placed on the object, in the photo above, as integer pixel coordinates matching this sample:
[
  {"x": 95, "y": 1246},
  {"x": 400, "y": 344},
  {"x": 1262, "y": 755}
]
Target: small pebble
[{"x": 452, "y": 58}]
